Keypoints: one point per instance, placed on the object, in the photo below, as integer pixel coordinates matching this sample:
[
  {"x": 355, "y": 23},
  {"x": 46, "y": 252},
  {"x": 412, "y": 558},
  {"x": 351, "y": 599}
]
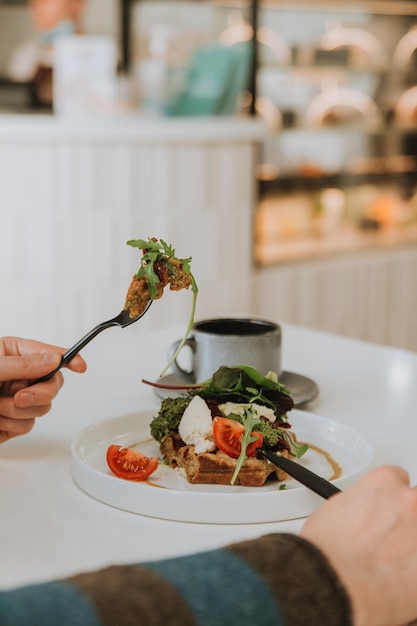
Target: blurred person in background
[{"x": 32, "y": 61}]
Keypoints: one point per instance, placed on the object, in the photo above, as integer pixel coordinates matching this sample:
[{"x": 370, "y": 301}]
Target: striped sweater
[{"x": 276, "y": 580}]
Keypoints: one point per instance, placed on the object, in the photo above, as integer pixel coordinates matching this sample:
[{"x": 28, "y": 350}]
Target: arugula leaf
[
  {"x": 190, "y": 325},
  {"x": 249, "y": 420},
  {"x": 152, "y": 251},
  {"x": 251, "y": 423},
  {"x": 297, "y": 448}
]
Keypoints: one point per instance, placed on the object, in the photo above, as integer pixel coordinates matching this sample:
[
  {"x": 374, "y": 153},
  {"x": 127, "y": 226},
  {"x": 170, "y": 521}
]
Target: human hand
[
  {"x": 369, "y": 535},
  {"x": 22, "y": 361}
]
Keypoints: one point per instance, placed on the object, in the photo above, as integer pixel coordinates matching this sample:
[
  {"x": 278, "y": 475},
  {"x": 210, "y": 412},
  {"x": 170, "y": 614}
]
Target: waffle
[{"x": 216, "y": 468}]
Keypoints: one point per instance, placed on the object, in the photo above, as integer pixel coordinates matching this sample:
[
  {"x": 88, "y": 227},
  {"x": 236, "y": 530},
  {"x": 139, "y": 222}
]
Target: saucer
[{"x": 302, "y": 389}]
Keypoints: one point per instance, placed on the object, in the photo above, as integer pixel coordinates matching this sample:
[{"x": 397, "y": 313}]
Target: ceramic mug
[{"x": 230, "y": 341}]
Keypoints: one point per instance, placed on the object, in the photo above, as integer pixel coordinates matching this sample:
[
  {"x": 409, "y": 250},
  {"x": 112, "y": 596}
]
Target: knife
[{"x": 306, "y": 477}]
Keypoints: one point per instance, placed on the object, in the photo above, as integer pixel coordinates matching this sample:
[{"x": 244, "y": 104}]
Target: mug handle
[{"x": 189, "y": 376}]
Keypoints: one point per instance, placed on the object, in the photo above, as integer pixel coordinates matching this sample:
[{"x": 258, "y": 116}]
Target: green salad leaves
[{"x": 245, "y": 386}]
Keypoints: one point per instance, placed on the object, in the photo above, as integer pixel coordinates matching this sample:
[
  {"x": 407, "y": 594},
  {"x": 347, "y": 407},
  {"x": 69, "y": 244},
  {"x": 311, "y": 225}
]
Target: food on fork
[
  {"x": 159, "y": 268},
  {"x": 212, "y": 434}
]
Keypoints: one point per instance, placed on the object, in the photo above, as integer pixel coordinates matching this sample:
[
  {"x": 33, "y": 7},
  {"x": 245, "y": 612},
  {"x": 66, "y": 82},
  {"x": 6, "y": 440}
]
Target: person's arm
[
  {"x": 355, "y": 564},
  {"x": 271, "y": 581},
  {"x": 22, "y": 361},
  {"x": 369, "y": 535}
]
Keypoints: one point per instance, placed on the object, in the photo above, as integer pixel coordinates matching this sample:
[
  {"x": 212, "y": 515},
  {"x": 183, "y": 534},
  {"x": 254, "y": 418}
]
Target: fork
[{"x": 122, "y": 320}]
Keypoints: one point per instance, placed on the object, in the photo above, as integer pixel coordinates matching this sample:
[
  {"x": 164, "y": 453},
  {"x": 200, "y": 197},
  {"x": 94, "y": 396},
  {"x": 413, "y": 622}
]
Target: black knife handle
[{"x": 306, "y": 477}]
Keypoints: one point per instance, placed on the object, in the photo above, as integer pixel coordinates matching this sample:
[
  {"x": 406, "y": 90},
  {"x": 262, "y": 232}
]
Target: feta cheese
[
  {"x": 196, "y": 426},
  {"x": 239, "y": 409}
]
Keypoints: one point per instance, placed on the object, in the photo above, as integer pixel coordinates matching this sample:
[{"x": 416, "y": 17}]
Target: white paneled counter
[
  {"x": 72, "y": 192},
  {"x": 369, "y": 294}
]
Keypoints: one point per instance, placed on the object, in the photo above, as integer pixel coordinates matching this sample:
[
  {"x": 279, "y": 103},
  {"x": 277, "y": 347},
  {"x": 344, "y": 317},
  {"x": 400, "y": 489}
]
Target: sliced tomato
[
  {"x": 130, "y": 464},
  {"x": 228, "y": 435}
]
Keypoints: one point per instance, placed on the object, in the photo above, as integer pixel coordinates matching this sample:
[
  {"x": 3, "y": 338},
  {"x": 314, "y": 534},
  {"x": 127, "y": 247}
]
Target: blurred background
[{"x": 273, "y": 141}]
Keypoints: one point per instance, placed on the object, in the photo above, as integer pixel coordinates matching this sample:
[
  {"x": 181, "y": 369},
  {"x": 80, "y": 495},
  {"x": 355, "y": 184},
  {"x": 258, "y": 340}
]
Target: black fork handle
[
  {"x": 70, "y": 354},
  {"x": 122, "y": 320}
]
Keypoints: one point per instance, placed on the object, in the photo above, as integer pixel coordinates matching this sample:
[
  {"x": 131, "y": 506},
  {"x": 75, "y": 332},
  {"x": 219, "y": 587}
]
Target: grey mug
[{"x": 230, "y": 341}]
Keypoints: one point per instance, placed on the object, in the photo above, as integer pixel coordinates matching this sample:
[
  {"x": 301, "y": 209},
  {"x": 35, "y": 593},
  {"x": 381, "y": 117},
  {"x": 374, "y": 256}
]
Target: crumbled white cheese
[
  {"x": 196, "y": 426},
  {"x": 238, "y": 409}
]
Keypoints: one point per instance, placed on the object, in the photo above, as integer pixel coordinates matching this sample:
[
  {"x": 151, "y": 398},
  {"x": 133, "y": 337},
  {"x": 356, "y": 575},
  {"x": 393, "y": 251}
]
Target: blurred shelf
[
  {"x": 377, "y": 7},
  {"x": 318, "y": 68},
  {"x": 342, "y": 180},
  {"x": 342, "y": 242},
  {"x": 370, "y": 130},
  {"x": 387, "y": 124}
]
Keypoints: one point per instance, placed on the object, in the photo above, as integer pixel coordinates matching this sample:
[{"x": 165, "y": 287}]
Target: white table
[{"x": 50, "y": 528}]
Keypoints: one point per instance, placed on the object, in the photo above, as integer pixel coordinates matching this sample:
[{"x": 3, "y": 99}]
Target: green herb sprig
[
  {"x": 249, "y": 420},
  {"x": 154, "y": 250}
]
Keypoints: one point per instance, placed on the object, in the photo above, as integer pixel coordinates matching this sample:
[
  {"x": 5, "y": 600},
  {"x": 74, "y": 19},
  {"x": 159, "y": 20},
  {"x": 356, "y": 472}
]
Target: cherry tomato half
[
  {"x": 228, "y": 435},
  {"x": 130, "y": 464}
]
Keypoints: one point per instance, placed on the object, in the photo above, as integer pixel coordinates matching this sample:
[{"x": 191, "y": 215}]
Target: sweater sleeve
[{"x": 277, "y": 580}]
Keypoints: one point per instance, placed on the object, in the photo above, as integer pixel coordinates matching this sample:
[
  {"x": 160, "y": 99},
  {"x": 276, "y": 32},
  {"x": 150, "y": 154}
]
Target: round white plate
[{"x": 167, "y": 495}]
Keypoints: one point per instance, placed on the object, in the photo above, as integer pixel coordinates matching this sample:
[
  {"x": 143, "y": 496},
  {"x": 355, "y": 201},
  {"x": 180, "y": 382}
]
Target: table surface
[{"x": 50, "y": 528}]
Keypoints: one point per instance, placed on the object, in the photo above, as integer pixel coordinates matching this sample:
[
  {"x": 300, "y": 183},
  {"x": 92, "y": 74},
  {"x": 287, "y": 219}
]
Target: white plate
[{"x": 167, "y": 495}]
